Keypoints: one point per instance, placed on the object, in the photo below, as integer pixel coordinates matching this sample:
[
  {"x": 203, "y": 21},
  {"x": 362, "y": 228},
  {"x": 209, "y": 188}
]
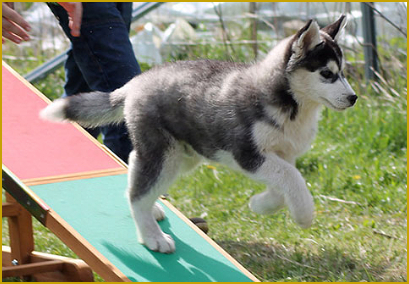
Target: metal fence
[{"x": 164, "y": 31}]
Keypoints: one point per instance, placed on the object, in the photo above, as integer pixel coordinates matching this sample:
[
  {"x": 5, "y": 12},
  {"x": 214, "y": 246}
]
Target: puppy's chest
[
  {"x": 291, "y": 141},
  {"x": 297, "y": 140}
]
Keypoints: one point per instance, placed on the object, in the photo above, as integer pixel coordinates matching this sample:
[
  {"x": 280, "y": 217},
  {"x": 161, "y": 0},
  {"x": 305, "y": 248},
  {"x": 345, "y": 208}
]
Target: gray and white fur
[{"x": 256, "y": 118}]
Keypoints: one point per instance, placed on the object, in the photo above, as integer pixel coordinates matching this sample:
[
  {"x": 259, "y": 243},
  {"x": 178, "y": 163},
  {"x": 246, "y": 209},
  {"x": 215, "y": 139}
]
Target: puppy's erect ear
[
  {"x": 334, "y": 29},
  {"x": 306, "y": 39}
]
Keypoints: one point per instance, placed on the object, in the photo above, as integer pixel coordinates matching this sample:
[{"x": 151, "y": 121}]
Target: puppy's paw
[
  {"x": 303, "y": 212},
  {"x": 305, "y": 220},
  {"x": 158, "y": 212},
  {"x": 162, "y": 243},
  {"x": 266, "y": 203}
]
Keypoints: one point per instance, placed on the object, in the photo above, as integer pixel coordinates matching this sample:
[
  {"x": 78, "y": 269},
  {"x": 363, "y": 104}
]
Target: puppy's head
[{"x": 315, "y": 66}]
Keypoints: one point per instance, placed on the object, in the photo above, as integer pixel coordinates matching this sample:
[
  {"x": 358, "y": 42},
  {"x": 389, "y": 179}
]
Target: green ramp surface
[{"x": 97, "y": 208}]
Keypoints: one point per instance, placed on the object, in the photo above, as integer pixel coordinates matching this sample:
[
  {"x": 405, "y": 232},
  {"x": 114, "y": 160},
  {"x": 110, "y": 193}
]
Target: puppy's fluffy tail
[{"x": 88, "y": 109}]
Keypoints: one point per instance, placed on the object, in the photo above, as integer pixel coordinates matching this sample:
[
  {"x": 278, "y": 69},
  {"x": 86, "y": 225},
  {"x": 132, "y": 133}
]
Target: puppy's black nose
[{"x": 352, "y": 99}]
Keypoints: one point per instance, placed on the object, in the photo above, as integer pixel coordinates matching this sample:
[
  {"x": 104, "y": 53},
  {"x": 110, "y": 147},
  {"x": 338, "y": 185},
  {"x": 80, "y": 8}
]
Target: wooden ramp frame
[
  {"x": 20, "y": 259},
  {"x": 75, "y": 187}
]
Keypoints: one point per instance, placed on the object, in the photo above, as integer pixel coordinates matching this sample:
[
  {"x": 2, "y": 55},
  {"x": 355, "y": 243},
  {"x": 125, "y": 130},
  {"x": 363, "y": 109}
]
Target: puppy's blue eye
[{"x": 327, "y": 74}]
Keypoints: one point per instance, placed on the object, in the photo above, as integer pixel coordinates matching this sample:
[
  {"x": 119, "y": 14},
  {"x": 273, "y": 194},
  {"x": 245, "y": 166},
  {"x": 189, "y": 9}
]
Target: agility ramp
[{"x": 76, "y": 188}]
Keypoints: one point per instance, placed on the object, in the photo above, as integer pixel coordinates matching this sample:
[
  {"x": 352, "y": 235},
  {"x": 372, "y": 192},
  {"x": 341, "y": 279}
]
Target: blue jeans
[{"x": 101, "y": 59}]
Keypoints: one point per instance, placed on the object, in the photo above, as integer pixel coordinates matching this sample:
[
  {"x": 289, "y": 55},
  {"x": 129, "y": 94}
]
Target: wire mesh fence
[{"x": 239, "y": 31}]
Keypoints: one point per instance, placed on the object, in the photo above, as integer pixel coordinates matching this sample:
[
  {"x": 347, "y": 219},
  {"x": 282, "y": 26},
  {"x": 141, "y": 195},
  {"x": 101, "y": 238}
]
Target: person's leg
[
  {"x": 104, "y": 56},
  {"x": 104, "y": 52},
  {"x": 75, "y": 84},
  {"x": 116, "y": 138},
  {"x": 111, "y": 135},
  {"x": 125, "y": 8},
  {"x": 74, "y": 81}
]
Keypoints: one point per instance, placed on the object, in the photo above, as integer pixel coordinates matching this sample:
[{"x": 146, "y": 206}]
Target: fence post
[
  {"x": 369, "y": 34},
  {"x": 253, "y": 27}
]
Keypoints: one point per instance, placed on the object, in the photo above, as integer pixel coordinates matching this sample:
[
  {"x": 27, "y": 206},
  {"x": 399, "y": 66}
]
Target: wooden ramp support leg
[
  {"x": 48, "y": 268},
  {"x": 20, "y": 259}
]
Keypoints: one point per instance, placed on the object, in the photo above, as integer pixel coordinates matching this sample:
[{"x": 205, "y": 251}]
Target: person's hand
[
  {"x": 74, "y": 10},
  {"x": 14, "y": 27}
]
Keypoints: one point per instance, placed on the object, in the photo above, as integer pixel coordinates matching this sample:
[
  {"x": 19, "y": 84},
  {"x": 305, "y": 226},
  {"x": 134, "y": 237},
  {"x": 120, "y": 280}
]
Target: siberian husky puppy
[{"x": 256, "y": 118}]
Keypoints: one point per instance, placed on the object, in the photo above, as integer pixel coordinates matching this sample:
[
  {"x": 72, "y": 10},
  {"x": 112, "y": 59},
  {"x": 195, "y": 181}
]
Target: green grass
[{"x": 356, "y": 171}]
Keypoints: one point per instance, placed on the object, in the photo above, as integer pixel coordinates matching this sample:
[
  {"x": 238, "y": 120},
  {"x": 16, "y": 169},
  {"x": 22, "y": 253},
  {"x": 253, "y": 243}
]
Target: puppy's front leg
[
  {"x": 285, "y": 185},
  {"x": 267, "y": 202}
]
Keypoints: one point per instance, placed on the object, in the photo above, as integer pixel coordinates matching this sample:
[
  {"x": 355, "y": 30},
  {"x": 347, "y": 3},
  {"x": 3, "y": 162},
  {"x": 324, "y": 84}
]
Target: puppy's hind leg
[
  {"x": 158, "y": 212},
  {"x": 148, "y": 179}
]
